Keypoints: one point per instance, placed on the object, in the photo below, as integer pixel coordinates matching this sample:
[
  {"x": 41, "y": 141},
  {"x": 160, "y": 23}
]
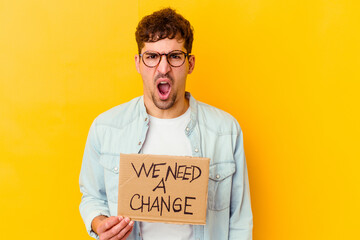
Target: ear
[
  {"x": 137, "y": 62},
  {"x": 191, "y": 63}
]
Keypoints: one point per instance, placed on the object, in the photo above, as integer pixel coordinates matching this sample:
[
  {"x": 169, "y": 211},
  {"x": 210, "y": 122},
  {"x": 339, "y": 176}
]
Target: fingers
[
  {"x": 117, "y": 231},
  {"x": 108, "y": 223},
  {"x": 125, "y": 231},
  {"x": 128, "y": 233},
  {"x": 122, "y": 229}
]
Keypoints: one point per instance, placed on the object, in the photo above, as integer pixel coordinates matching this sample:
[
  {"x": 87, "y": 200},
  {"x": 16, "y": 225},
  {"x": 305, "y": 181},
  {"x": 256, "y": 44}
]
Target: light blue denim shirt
[{"x": 212, "y": 133}]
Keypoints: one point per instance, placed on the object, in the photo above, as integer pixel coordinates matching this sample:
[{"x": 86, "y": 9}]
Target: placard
[{"x": 159, "y": 188}]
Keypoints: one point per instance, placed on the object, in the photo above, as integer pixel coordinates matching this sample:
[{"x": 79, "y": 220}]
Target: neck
[{"x": 176, "y": 110}]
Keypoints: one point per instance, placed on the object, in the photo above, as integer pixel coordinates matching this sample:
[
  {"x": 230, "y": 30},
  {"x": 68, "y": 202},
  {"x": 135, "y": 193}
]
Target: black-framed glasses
[{"x": 175, "y": 58}]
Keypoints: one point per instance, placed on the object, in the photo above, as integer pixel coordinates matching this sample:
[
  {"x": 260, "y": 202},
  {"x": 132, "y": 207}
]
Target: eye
[
  {"x": 151, "y": 56},
  {"x": 175, "y": 56}
]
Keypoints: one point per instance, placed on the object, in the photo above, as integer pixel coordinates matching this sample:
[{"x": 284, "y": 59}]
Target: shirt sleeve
[
  {"x": 93, "y": 202},
  {"x": 241, "y": 219}
]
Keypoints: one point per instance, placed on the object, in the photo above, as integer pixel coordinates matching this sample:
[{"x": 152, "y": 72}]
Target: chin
[{"x": 164, "y": 105}]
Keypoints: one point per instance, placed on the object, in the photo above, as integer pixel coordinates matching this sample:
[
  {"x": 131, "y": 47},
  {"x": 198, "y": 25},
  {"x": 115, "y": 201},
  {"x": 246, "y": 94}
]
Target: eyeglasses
[{"x": 175, "y": 58}]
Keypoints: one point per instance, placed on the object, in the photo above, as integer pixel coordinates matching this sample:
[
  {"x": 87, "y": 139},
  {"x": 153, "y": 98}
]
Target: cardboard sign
[{"x": 158, "y": 188}]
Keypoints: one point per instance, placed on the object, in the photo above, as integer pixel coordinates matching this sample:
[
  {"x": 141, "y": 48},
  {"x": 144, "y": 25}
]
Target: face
[{"x": 164, "y": 85}]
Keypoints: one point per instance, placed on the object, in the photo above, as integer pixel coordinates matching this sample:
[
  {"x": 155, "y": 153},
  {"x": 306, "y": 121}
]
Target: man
[{"x": 166, "y": 120}]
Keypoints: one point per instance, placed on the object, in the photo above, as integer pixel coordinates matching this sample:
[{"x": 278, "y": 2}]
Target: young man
[{"x": 166, "y": 120}]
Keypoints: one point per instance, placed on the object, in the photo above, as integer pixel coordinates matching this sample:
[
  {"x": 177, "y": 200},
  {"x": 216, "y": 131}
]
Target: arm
[
  {"x": 93, "y": 202},
  {"x": 93, "y": 207},
  {"x": 241, "y": 222}
]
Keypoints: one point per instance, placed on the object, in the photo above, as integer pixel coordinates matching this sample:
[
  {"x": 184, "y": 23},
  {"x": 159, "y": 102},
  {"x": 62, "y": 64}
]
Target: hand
[{"x": 112, "y": 227}]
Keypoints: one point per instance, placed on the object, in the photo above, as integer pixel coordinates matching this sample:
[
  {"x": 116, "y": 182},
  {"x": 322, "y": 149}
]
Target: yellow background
[{"x": 287, "y": 70}]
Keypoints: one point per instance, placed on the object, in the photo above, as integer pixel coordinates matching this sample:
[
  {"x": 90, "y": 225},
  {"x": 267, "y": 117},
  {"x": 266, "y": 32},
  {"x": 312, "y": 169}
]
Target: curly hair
[{"x": 165, "y": 23}]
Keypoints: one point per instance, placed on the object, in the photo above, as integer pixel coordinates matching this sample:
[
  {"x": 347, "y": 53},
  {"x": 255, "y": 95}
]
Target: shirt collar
[{"x": 193, "y": 109}]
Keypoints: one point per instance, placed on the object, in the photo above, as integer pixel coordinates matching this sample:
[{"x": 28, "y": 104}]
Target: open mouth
[{"x": 164, "y": 89}]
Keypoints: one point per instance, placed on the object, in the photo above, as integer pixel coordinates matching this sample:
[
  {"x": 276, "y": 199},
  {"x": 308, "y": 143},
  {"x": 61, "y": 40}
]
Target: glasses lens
[
  {"x": 151, "y": 59},
  {"x": 176, "y": 58}
]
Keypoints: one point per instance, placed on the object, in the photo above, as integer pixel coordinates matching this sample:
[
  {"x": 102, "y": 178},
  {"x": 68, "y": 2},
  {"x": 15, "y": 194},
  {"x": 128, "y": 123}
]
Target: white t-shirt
[{"x": 167, "y": 137}]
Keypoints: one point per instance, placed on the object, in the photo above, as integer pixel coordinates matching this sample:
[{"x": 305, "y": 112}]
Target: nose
[{"x": 163, "y": 67}]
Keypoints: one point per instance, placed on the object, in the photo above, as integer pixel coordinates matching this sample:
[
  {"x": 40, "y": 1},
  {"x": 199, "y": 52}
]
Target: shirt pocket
[
  {"x": 111, "y": 176},
  {"x": 220, "y": 181}
]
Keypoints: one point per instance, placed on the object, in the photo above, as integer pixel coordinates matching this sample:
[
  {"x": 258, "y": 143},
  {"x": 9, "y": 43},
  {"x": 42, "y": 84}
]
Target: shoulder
[
  {"x": 121, "y": 115},
  {"x": 217, "y": 120}
]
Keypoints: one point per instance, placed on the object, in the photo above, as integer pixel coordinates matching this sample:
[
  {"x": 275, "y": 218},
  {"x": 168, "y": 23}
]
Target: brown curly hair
[{"x": 165, "y": 23}]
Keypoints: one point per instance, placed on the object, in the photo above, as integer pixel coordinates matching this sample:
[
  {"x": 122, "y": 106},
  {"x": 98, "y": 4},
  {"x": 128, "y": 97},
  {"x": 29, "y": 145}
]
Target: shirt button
[
  {"x": 140, "y": 143},
  {"x": 196, "y": 150},
  {"x": 145, "y": 119},
  {"x": 115, "y": 168},
  {"x": 217, "y": 176},
  {"x": 187, "y": 129}
]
